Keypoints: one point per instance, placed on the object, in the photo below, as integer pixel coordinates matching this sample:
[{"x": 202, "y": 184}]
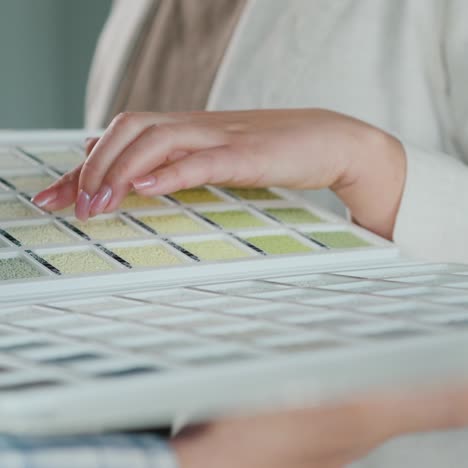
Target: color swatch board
[
  {"x": 206, "y": 232},
  {"x": 191, "y": 305},
  {"x": 158, "y": 356}
]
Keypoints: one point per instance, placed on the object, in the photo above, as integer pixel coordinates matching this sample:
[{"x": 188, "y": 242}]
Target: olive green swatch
[{"x": 279, "y": 244}]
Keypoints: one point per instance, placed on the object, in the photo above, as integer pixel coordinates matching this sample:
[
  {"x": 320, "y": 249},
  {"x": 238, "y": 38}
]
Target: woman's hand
[
  {"x": 324, "y": 437},
  {"x": 156, "y": 154}
]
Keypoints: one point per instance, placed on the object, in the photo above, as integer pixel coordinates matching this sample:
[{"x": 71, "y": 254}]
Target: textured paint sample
[
  {"x": 13, "y": 209},
  {"x": 147, "y": 256},
  {"x": 78, "y": 261},
  {"x": 31, "y": 183},
  {"x": 339, "y": 239},
  {"x": 17, "y": 268},
  {"x": 68, "y": 211},
  {"x": 215, "y": 250},
  {"x": 279, "y": 244},
  {"x": 9, "y": 161},
  {"x": 293, "y": 215},
  {"x": 113, "y": 228},
  {"x": 196, "y": 195},
  {"x": 234, "y": 219},
  {"x": 254, "y": 193},
  {"x": 173, "y": 224},
  {"x": 38, "y": 234},
  {"x": 60, "y": 159},
  {"x": 134, "y": 202}
]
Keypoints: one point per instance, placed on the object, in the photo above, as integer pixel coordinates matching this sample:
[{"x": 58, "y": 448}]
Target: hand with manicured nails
[{"x": 156, "y": 154}]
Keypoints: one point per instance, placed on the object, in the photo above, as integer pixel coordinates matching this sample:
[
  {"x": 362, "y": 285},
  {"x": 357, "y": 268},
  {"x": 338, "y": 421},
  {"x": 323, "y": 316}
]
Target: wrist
[{"x": 372, "y": 183}]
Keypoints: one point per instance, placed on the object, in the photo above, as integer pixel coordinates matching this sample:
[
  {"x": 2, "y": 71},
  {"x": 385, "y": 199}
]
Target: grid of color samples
[
  {"x": 198, "y": 225},
  {"x": 154, "y": 332}
]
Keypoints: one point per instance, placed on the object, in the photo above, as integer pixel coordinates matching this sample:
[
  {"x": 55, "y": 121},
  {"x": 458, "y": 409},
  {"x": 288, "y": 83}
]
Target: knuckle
[
  {"x": 177, "y": 174},
  {"x": 163, "y": 133},
  {"x": 124, "y": 120},
  {"x": 120, "y": 172}
]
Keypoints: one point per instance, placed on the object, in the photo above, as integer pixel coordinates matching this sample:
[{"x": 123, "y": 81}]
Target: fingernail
[
  {"x": 44, "y": 198},
  {"x": 100, "y": 200},
  {"x": 82, "y": 206},
  {"x": 143, "y": 183}
]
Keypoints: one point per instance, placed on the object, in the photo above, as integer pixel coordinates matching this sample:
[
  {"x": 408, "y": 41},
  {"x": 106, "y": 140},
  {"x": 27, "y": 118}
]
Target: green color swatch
[
  {"x": 79, "y": 261},
  {"x": 215, "y": 250},
  {"x": 254, "y": 193},
  {"x": 339, "y": 239},
  {"x": 14, "y": 209},
  {"x": 31, "y": 183},
  {"x": 134, "y": 201},
  {"x": 68, "y": 211},
  {"x": 234, "y": 219},
  {"x": 62, "y": 159},
  {"x": 279, "y": 244},
  {"x": 17, "y": 268},
  {"x": 112, "y": 228},
  {"x": 293, "y": 215},
  {"x": 196, "y": 195},
  {"x": 38, "y": 234},
  {"x": 11, "y": 161},
  {"x": 173, "y": 224},
  {"x": 147, "y": 256}
]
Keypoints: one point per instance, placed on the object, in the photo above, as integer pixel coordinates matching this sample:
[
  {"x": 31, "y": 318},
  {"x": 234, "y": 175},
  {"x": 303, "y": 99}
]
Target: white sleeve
[{"x": 432, "y": 222}]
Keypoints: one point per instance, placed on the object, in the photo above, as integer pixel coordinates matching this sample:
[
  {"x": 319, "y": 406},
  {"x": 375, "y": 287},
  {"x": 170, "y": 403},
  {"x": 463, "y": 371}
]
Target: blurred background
[{"x": 46, "y": 47}]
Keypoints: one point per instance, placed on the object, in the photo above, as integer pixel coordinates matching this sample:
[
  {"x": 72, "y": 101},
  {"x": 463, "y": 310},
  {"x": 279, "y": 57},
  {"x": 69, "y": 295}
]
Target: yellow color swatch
[
  {"x": 10, "y": 161},
  {"x": 38, "y": 234},
  {"x": 14, "y": 209},
  {"x": 173, "y": 224},
  {"x": 61, "y": 159},
  {"x": 112, "y": 228},
  {"x": 78, "y": 261},
  {"x": 215, "y": 250},
  {"x": 134, "y": 202},
  {"x": 196, "y": 195},
  {"x": 254, "y": 193},
  {"x": 31, "y": 183},
  {"x": 147, "y": 255}
]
